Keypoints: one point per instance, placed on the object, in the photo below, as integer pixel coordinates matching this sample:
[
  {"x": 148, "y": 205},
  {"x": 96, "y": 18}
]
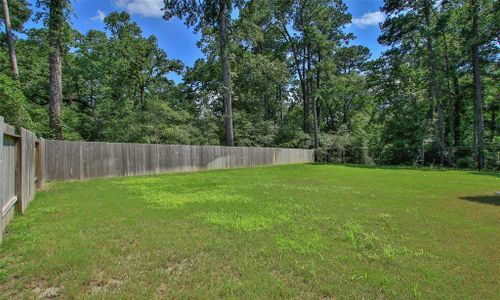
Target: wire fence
[{"x": 461, "y": 157}]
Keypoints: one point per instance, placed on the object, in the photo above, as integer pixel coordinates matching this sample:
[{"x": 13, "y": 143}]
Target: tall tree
[
  {"x": 56, "y": 22},
  {"x": 224, "y": 15},
  {"x": 402, "y": 29},
  {"x": 478, "y": 89},
  {"x": 434, "y": 90},
  {"x": 10, "y": 38},
  {"x": 216, "y": 16},
  {"x": 317, "y": 31}
]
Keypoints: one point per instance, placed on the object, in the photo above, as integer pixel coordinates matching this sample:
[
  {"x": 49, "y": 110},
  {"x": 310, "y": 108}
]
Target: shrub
[
  {"x": 465, "y": 163},
  {"x": 13, "y": 103}
]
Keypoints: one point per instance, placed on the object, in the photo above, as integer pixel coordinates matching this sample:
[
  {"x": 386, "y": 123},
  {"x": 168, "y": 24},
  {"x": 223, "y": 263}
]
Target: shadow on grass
[
  {"x": 402, "y": 167},
  {"x": 493, "y": 199}
]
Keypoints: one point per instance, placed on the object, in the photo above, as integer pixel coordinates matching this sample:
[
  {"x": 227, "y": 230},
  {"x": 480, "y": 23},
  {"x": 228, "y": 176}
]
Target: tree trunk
[
  {"x": 305, "y": 102},
  {"x": 315, "y": 124},
  {"x": 316, "y": 103},
  {"x": 458, "y": 111},
  {"x": 451, "y": 130},
  {"x": 442, "y": 136},
  {"x": 55, "y": 62},
  {"x": 474, "y": 134},
  {"x": 266, "y": 106},
  {"x": 312, "y": 100},
  {"x": 301, "y": 73},
  {"x": 10, "y": 39},
  {"x": 280, "y": 102},
  {"x": 226, "y": 76},
  {"x": 432, "y": 88},
  {"x": 305, "y": 92},
  {"x": 478, "y": 96},
  {"x": 451, "y": 97},
  {"x": 493, "y": 121}
]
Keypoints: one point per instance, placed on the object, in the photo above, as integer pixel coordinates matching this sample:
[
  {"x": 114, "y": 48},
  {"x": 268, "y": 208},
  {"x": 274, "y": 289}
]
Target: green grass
[{"x": 296, "y": 231}]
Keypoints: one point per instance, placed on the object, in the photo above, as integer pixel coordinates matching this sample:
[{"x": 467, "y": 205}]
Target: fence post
[
  {"x": 41, "y": 163},
  {"x": 2, "y": 180},
  {"x": 27, "y": 169},
  {"x": 19, "y": 172}
]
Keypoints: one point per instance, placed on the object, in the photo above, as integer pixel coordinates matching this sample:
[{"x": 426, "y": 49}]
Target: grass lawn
[{"x": 299, "y": 231}]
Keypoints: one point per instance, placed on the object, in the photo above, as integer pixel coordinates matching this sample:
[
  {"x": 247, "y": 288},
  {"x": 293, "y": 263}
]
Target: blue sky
[{"x": 179, "y": 41}]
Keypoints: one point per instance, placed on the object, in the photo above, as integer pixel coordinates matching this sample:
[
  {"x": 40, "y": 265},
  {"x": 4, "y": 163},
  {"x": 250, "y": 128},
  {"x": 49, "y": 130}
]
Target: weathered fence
[
  {"x": 27, "y": 162},
  {"x": 17, "y": 171},
  {"x": 79, "y": 160}
]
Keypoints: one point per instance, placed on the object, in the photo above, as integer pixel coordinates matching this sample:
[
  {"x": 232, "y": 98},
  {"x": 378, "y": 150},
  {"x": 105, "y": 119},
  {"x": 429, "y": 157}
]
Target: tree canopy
[{"x": 274, "y": 73}]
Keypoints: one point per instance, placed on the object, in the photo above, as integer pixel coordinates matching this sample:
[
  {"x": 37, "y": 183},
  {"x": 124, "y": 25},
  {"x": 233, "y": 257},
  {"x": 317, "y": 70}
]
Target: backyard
[{"x": 293, "y": 231}]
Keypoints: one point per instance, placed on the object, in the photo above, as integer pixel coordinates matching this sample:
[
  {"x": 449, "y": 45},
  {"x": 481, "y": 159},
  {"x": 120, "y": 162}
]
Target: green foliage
[
  {"x": 407, "y": 75},
  {"x": 282, "y": 57},
  {"x": 20, "y": 13},
  {"x": 290, "y": 134},
  {"x": 160, "y": 124},
  {"x": 250, "y": 131},
  {"x": 334, "y": 146},
  {"x": 465, "y": 163},
  {"x": 13, "y": 104}
]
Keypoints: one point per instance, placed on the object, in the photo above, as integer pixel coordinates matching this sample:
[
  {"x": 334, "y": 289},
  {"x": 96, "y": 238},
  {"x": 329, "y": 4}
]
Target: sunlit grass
[{"x": 303, "y": 231}]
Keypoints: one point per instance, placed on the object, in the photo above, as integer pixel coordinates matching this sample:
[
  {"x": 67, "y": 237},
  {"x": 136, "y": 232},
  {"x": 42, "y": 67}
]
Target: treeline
[
  {"x": 274, "y": 73},
  {"x": 441, "y": 73}
]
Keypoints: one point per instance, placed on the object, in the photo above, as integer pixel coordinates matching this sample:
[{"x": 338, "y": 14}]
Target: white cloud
[
  {"x": 99, "y": 17},
  {"x": 145, "y": 8},
  {"x": 369, "y": 19}
]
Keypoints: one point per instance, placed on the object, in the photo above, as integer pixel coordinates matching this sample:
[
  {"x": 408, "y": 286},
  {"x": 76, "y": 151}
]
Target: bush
[
  {"x": 492, "y": 158},
  {"x": 465, "y": 163},
  {"x": 13, "y": 103}
]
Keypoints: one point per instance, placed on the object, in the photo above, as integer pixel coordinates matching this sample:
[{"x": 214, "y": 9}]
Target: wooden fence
[
  {"x": 26, "y": 162},
  {"x": 18, "y": 171},
  {"x": 79, "y": 160}
]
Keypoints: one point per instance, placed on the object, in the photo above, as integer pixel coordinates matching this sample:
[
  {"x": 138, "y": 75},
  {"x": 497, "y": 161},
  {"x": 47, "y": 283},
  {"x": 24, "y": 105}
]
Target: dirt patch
[
  {"x": 48, "y": 293},
  {"x": 175, "y": 267},
  {"x": 100, "y": 283}
]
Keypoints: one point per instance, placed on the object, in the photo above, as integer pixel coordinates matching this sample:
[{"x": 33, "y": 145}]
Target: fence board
[
  {"x": 8, "y": 163},
  {"x": 78, "y": 160},
  {"x": 23, "y": 159},
  {"x": 8, "y": 169},
  {"x": 9, "y": 130},
  {"x": 28, "y": 161}
]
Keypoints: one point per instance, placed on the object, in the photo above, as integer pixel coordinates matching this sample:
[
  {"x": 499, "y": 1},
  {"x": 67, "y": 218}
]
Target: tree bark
[
  {"x": 305, "y": 92},
  {"x": 315, "y": 124},
  {"x": 458, "y": 111},
  {"x": 10, "y": 39},
  {"x": 55, "y": 62},
  {"x": 266, "y": 106},
  {"x": 451, "y": 98},
  {"x": 311, "y": 99},
  {"x": 478, "y": 96},
  {"x": 226, "y": 76},
  {"x": 442, "y": 135},
  {"x": 300, "y": 73},
  {"x": 280, "y": 102},
  {"x": 305, "y": 102},
  {"x": 494, "y": 109},
  {"x": 432, "y": 88},
  {"x": 318, "y": 85}
]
